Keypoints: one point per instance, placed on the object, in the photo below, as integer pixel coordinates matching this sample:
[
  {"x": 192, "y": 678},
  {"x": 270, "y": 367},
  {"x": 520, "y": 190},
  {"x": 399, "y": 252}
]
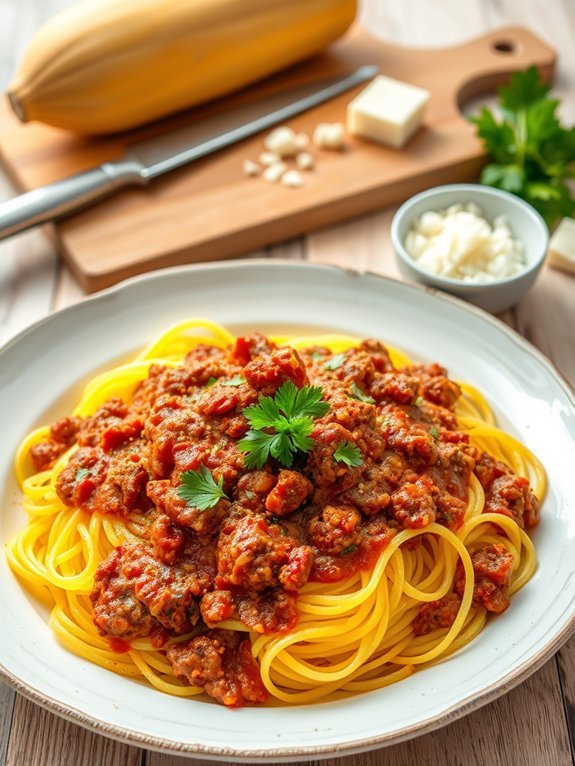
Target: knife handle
[{"x": 67, "y": 196}]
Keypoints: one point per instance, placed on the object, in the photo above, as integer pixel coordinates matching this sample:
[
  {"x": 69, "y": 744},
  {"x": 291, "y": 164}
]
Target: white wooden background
[{"x": 534, "y": 725}]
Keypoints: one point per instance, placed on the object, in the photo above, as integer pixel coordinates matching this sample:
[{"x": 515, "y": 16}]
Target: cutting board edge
[{"x": 239, "y": 245}]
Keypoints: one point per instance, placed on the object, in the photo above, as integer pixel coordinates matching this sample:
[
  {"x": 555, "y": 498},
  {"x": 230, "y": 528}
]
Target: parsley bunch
[
  {"x": 281, "y": 424},
  {"x": 533, "y": 154}
]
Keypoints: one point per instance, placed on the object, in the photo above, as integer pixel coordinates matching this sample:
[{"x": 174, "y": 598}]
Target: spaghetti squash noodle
[{"x": 295, "y": 518}]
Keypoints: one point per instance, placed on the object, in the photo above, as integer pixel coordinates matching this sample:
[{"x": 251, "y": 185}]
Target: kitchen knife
[{"x": 146, "y": 160}]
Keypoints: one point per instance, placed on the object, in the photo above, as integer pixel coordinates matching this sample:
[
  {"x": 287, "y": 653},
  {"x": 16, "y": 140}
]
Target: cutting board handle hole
[{"x": 506, "y": 47}]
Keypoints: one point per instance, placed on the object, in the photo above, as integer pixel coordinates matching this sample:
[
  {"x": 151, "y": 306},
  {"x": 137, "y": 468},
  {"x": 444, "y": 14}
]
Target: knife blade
[{"x": 146, "y": 160}]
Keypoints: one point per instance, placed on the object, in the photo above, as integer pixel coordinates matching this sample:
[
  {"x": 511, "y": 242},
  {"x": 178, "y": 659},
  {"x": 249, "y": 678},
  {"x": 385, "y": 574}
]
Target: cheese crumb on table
[
  {"x": 461, "y": 244},
  {"x": 282, "y": 141},
  {"x": 562, "y": 246},
  {"x": 274, "y": 172},
  {"x": 387, "y": 111},
  {"x": 269, "y": 158},
  {"x": 304, "y": 161},
  {"x": 329, "y": 135},
  {"x": 292, "y": 179},
  {"x": 251, "y": 168}
]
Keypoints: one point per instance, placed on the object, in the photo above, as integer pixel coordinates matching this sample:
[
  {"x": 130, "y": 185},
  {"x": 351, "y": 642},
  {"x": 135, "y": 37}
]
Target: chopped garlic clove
[
  {"x": 292, "y": 179},
  {"x": 269, "y": 158},
  {"x": 329, "y": 135},
  {"x": 304, "y": 161},
  {"x": 251, "y": 168},
  {"x": 274, "y": 172},
  {"x": 282, "y": 141}
]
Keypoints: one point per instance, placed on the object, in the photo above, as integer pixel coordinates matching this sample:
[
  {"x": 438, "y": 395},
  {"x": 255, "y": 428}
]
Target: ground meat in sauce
[
  {"x": 61, "y": 437},
  {"x": 221, "y": 662},
  {"x": 246, "y": 557},
  {"x": 437, "y": 614},
  {"x": 492, "y": 567}
]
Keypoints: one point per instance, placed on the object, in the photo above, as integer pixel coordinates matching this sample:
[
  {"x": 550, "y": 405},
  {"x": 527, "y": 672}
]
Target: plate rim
[{"x": 456, "y": 711}]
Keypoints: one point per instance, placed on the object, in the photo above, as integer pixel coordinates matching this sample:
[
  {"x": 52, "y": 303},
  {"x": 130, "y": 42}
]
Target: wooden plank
[
  {"x": 27, "y": 274},
  {"x": 566, "y": 663},
  {"x": 291, "y": 251},
  {"x": 221, "y": 213},
  {"x": 39, "y": 738},
  {"x": 161, "y": 759},
  {"x": 364, "y": 245},
  {"x": 7, "y": 697}
]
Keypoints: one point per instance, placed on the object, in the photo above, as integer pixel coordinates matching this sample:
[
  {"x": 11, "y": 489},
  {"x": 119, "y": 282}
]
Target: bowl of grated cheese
[{"x": 481, "y": 244}]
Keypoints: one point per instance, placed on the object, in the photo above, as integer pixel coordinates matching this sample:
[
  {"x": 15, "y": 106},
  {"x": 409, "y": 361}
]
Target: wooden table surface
[{"x": 534, "y": 725}]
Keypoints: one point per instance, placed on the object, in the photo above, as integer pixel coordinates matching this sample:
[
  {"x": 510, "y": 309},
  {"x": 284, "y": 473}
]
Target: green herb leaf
[
  {"x": 525, "y": 88},
  {"x": 350, "y": 549},
  {"x": 349, "y": 454},
  {"x": 281, "y": 425},
  {"x": 357, "y": 393},
  {"x": 199, "y": 489},
  {"x": 533, "y": 153},
  {"x": 434, "y": 432},
  {"x": 237, "y": 380},
  {"x": 335, "y": 362},
  {"x": 81, "y": 473},
  {"x": 418, "y": 402},
  {"x": 211, "y": 381},
  {"x": 316, "y": 356}
]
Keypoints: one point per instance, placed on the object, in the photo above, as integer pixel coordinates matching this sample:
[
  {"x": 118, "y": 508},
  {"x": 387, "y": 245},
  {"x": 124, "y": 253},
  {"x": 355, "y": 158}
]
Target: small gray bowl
[{"x": 524, "y": 221}]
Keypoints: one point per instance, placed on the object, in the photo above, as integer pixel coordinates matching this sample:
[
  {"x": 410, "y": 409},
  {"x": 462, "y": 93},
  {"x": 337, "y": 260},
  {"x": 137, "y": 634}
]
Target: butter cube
[
  {"x": 562, "y": 246},
  {"x": 387, "y": 111}
]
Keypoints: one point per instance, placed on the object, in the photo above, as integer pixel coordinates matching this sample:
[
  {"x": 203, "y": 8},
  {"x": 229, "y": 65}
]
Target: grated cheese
[{"x": 461, "y": 244}]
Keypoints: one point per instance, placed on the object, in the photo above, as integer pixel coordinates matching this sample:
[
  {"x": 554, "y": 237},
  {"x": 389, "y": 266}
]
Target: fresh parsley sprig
[
  {"x": 335, "y": 362},
  {"x": 349, "y": 454},
  {"x": 200, "y": 490},
  {"x": 281, "y": 424},
  {"x": 357, "y": 393},
  {"x": 237, "y": 380},
  {"x": 533, "y": 154}
]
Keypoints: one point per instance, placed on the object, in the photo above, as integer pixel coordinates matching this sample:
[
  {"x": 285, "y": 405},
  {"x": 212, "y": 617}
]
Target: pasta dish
[{"x": 278, "y": 518}]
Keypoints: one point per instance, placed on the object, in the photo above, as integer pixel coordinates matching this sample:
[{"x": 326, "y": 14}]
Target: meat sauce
[{"x": 277, "y": 527}]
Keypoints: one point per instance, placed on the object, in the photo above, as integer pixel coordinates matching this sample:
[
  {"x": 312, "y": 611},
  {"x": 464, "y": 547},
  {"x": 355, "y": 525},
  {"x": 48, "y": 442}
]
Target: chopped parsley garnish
[
  {"x": 419, "y": 401},
  {"x": 211, "y": 381},
  {"x": 281, "y": 424},
  {"x": 199, "y": 489},
  {"x": 350, "y": 549},
  {"x": 316, "y": 356},
  {"x": 335, "y": 362},
  {"x": 81, "y": 473},
  {"x": 357, "y": 393},
  {"x": 237, "y": 380},
  {"x": 349, "y": 454},
  {"x": 434, "y": 432}
]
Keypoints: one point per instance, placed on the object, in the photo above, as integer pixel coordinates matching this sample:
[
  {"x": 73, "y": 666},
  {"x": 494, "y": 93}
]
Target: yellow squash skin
[{"x": 108, "y": 65}]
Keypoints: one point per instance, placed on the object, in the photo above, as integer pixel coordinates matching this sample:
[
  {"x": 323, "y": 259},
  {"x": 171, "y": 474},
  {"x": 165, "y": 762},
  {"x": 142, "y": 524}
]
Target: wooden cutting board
[{"x": 210, "y": 210}]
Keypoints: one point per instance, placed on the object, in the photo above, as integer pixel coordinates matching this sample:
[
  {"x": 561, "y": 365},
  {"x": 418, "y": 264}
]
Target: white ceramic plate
[{"x": 41, "y": 372}]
